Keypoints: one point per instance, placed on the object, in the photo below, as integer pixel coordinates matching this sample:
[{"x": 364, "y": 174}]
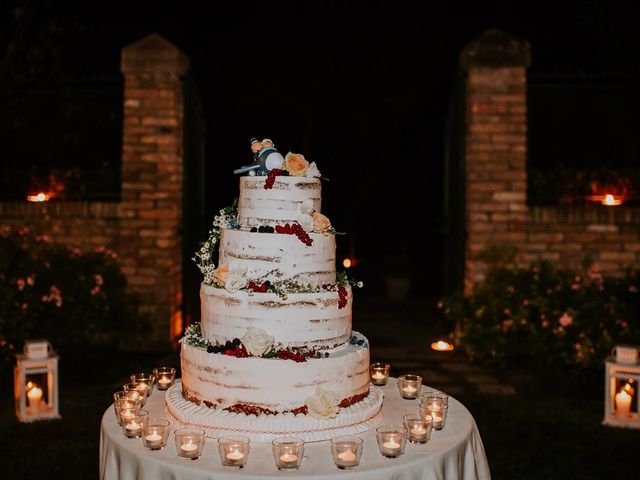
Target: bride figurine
[{"x": 265, "y": 158}]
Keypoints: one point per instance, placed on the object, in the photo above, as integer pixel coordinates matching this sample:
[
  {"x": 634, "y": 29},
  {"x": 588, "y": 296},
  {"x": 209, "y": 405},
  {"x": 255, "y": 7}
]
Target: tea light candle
[
  {"x": 391, "y": 448},
  {"x": 435, "y": 410},
  {"x": 153, "y": 440},
  {"x": 623, "y": 404},
  {"x": 288, "y": 459},
  {"x": 378, "y": 377},
  {"x": 164, "y": 383},
  {"x": 189, "y": 449},
  {"x": 409, "y": 391},
  {"x": 409, "y": 386},
  {"x": 235, "y": 458},
  {"x": 418, "y": 433},
  {"x": 132, "y": 428}
]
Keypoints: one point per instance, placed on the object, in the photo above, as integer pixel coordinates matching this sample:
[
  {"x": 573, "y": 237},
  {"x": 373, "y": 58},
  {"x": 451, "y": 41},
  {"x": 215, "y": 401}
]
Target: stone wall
[
  {"x": 496, "y": 210},
  {"x": 144, "y": 228}
]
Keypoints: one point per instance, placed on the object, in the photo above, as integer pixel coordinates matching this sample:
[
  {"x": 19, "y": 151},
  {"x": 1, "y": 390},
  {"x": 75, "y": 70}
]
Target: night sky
[{"x": 362, "y": 88}]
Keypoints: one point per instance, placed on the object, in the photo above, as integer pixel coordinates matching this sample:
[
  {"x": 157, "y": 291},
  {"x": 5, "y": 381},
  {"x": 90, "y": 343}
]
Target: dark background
[{"x": 363, "y": 88}]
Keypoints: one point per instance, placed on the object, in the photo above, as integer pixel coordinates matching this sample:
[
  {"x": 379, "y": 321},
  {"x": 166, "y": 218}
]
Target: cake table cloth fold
[{"x": 456, "y": 452}]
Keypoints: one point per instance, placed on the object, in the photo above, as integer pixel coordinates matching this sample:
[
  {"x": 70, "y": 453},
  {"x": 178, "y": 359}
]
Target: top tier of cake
[{"x": 278, "y": 205}]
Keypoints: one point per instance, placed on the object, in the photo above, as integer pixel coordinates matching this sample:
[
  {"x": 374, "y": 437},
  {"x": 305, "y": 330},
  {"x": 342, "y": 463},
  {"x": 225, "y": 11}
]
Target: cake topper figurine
[{"x": 265, "y": 158}]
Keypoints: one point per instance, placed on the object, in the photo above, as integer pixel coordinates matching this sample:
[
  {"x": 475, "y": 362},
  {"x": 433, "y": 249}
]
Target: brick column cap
[
  {"x": 496, "y": 49},
  {"x": 153, "y": 53}
]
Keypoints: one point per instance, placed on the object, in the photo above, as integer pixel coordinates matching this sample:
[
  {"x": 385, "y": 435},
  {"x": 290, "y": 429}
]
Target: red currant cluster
[
  {"x": 342, "y": 296},
  {"x": 297, "y": 230},
  {"x": 289, "y": 355},
  {"x": 259, "y": 287},
  {"x": 271, "y": 178},
  {"x": 238, "y": 351}
]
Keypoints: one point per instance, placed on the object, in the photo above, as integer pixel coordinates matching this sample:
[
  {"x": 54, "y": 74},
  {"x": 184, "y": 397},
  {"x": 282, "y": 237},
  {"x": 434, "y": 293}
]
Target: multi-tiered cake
[{"x": 274, "y": 353}]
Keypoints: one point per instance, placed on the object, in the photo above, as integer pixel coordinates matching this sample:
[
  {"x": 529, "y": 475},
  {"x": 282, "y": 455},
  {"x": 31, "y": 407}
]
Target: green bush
[
  {"x": 541, "y": 316},
  {"x": 68, "y": 296}
]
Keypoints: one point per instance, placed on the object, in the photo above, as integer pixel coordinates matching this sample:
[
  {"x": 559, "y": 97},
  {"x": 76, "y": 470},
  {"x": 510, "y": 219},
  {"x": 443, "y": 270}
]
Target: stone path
[{"x": 400, "y": 333}]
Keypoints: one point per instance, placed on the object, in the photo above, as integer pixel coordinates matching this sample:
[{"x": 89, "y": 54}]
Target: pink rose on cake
[
  {"x": 324, "y": 404},
  {"x": 220, "y": 274},
  {"x": 257, "y": 341},
  {"x": 321, "y": 224},
  {"x": 296, "y": 164}
]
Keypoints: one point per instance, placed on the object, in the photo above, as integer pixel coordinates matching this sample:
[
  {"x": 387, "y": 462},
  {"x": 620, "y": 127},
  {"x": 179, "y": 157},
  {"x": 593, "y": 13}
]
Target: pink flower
[
  {"x": 95, "y": 290},
  {"x": 575, "y": 286},
  {"x": 506, "y": 325},
  {"x": 54, "y": 296},
  {"x": 544, "y": 323},
  {"x": 21, "y": 283},
  {"x": 31, "y": 279},
  {"x": 624, "y": 324},
  {"x": 525, "y": 302},
  {"x": 98, "y": 278},
  {"x": 565, "y": 320},
  {"x": 506, "y": 311}
]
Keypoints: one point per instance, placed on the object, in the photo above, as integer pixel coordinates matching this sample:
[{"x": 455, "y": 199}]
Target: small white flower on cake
[
  {"x": 312, "y": 171},
  {"x": 324, "y": 404},
  {"x": 257, "y": 341},
  {"x": 234, "y": 282},
  {"x": 306, "y": 222},
  {"x": 321, "y": 224},
  {"x": 306, "y": 207},
  {"x": 296, "y": 164}
]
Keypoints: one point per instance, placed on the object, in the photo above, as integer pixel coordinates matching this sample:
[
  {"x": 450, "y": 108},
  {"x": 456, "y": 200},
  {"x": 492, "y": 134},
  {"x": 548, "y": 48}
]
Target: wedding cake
[{"x": 274, "y": 353}]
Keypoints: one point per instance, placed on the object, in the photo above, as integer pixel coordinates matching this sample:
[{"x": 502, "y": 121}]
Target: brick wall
[
  {"x": 497, "y": 212},
  {"x": 144, "y": 228}
]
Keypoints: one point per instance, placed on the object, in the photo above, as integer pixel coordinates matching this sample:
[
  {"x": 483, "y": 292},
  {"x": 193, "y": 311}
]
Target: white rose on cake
[
  {"x": 312, "y": 171},
  {"x": 257, "y": 341},
  {"x": 324, "y": 404},
  {"x": 306, "y": 207},
  {"x": 306, "y": 222},
  {"x": 235, "y": 282}
]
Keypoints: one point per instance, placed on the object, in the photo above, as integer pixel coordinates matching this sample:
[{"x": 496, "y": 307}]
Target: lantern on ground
[
  {"x": 36, "y": 382},
  {"x": 622, "y": 374}
]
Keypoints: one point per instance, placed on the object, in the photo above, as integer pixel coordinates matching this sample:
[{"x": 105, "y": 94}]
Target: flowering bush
[
  {"x": 541, "y": 316},
  {"x": 65, "y": 295}
]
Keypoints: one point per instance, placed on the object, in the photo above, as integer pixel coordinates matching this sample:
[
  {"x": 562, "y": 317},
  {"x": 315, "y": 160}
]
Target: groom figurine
[{"x": 265, "y": 158}]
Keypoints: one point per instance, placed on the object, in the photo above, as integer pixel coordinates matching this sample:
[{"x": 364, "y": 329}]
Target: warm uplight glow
[
  {"x": 346, "y": 263},
  {"x": 40, "y": 197},
  {"x": 442, "y": 346},
  {"x": 611, "y": 200}
]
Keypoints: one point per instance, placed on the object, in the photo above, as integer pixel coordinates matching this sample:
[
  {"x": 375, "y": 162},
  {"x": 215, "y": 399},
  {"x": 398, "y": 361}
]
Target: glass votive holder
[
  {"x": 418, "y": 427},
  {"x": 143, "y": 377},
  {"x": 133, "y": 423},
  {"x": 156, "y": 433},
  {"x": 288, "y": 452},
  {"x": 165, "y": 377},
  {"x": 438, "y": 412},
  {"x": 434, "y": 395},
  {"x": 346, "y": 451},
  {"x": 409, "y": 386},
  {"x": 141, "y": 388},
  {"x": 189, "y": 442},
  {"x": 391, "y": 440},
  {"x": 233, "y": 451},
  {"x": 125, "y": 401},
  {"x": 379, "y": 373}
]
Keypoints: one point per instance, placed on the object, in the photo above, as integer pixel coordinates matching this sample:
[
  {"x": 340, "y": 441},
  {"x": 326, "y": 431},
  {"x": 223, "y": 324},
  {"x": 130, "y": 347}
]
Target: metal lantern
[
  {"x": 622, "y": 374},
  {"x": 36, "y": 382}
]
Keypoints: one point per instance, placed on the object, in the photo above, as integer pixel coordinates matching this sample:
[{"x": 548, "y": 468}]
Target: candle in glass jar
[
  {"x": 418, "y": 433},
  {"x": 153, "y": 440},
  {"x": 409, "y": 391},
  {"x": 623, "y": 404},
  {"x": 391, "y": 447},
  {"x": 378, "y": 377},
  {"x": 164, "y": 383}
]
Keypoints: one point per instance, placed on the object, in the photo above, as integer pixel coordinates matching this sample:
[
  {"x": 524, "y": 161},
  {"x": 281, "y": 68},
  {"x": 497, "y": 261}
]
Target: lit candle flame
[
  {"x": 442, "y": 346},
  {"x": 346, "y": 263},
  {"x": 39, "y": 197},
  {"x": 611, "y": 200}
]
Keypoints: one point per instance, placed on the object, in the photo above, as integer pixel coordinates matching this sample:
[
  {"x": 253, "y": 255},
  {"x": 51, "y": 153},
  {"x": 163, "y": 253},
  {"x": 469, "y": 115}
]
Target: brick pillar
[
  {"x": 152, "y": 170},
  {"x": 496, "y": 146}
]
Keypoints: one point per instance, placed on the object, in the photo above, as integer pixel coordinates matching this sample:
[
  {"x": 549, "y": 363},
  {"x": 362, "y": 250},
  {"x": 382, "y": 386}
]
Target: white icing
[
  {"x": 270, "y": 383},
  {"x": 303, "y": 319},
  {"x": 357, "y": 418},
  {"x": 278, "y": 205},
  {"x": 285, "y": 255}
]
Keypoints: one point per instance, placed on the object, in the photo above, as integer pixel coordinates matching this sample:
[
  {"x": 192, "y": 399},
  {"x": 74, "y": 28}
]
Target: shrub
[
  {"x": 68, "y": 296},
  {"x": 542, "y": 316}
]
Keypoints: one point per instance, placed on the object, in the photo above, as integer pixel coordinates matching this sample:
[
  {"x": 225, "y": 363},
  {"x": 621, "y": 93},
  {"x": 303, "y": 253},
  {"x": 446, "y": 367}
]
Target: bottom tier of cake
[{"x": 356, "y": 418}]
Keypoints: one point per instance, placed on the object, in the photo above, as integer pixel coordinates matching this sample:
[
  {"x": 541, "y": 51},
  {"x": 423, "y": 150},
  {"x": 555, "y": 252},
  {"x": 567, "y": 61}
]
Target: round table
[{"x": 456, "y": 452}]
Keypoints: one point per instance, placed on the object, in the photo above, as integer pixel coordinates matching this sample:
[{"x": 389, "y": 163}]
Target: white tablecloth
[{"x": 456, "y": 452}]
